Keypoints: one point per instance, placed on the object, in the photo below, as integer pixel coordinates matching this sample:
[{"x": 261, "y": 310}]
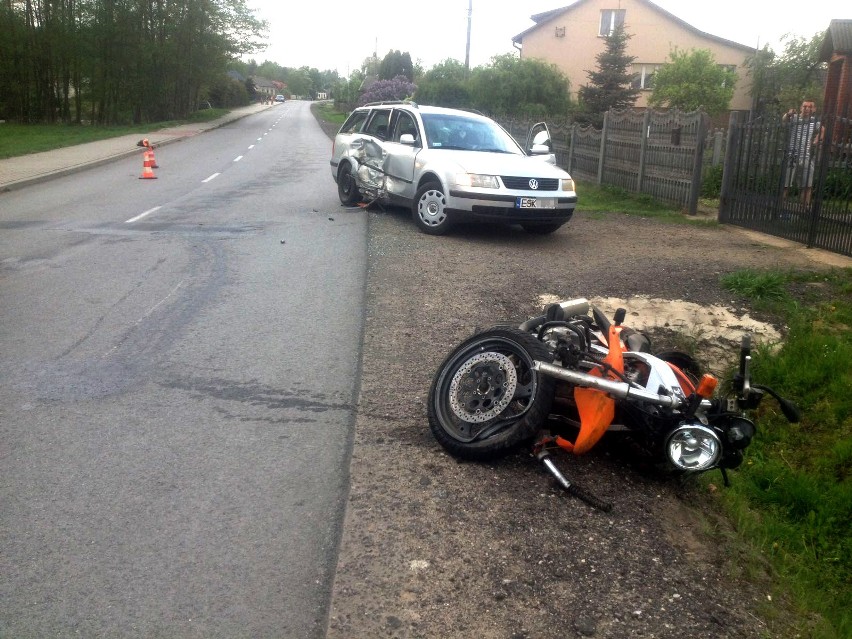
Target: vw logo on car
[{"x": 534, "y": 184}]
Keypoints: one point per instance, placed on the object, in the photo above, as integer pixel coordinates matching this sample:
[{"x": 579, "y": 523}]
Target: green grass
[
  {"x": 329, "y": 113},
  {"x": 609, "y": 199},
  {"x": 792, "y": 499},
  {"x": 22, "y": 139},
  {"x": 759, "y": 287}
]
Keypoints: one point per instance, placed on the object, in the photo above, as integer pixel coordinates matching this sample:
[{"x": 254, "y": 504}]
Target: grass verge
[
  {"x": 23, "y": 139},
  {"x": 609, "y": 199},
  {"x": 792, "y": 499},
  {"x": 328, "y": 112}
]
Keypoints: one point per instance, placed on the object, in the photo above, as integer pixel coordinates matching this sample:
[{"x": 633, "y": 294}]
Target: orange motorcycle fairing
[{"x": 596, "y": 408}]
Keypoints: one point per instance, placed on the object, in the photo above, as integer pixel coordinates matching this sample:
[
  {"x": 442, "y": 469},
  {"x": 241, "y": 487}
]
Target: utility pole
[{"x": 467, "y": 48}]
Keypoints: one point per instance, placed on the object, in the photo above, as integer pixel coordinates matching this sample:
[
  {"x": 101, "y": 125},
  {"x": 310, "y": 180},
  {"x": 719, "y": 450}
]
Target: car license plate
[{"x": 535, "y": 203}]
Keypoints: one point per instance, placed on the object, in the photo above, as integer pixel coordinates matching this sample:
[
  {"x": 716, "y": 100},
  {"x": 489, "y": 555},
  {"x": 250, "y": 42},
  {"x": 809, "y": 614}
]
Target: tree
[
  {"x": 137, "y": 61},
  {"x": 610, "y": 84},
  {"x": 346, "y": 91},
  {"x": 394, "y": 64},
  {"x": 510, "y": 85},
  {"x": 370, "y": 66},
  {"x": 445, "y": 84},
  {"x": 692, "y": 80},
  {"x": 783, "y": 81},
  {"x": 251, "y": 90}
]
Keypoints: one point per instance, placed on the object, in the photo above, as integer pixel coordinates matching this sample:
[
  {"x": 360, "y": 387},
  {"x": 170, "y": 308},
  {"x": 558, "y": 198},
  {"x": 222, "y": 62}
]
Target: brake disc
[{"x": 483, "y": 387}]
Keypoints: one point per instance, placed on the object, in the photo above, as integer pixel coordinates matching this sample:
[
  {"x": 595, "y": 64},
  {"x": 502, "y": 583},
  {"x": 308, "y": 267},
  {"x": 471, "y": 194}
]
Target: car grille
[{"x": 523, "y": 183}]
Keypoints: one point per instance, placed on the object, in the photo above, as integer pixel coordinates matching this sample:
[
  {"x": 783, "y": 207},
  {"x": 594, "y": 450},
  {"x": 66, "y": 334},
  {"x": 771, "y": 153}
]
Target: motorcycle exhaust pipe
[{"x": 620, "y": 390}]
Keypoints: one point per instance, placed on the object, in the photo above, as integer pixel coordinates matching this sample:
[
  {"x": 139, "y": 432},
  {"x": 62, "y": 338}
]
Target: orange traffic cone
[
  {"x": 147, "y": 164},
  {"x": 154, "y": 164}
]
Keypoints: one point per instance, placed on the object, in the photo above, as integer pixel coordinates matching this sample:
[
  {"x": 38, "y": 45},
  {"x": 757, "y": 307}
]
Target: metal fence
[{"x": 777, "y": 182}]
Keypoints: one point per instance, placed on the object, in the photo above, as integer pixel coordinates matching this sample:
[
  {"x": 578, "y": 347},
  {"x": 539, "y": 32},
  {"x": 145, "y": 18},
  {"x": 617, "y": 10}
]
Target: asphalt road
[{"x": 178, "y": 370}]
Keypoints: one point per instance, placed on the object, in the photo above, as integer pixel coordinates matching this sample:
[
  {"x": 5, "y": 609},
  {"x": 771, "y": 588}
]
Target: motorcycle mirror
[
  {"x": 600, "y": 320},
  {"x": 620, "y": 314},
  {"x": 791, "y": 412},
  {"x": 745, "y": 351},
  {"x": 554, "y": 313},
  {"x": 741, "y": 381}
]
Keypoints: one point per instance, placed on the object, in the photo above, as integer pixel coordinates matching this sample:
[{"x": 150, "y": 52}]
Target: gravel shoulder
[{"x": 432, "y": 547}]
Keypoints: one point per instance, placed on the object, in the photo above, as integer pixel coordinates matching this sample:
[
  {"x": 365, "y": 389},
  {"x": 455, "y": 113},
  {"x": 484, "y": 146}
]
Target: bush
[
  {"x": 397, "y": 89},
  {"x": 838, "y": 184},
  {"x": 711, "y": 182}
]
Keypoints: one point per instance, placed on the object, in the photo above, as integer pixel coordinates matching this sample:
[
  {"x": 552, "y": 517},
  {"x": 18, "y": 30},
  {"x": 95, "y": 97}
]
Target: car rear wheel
[
  {"x": 347, "y": 190},
  {"x": 430, "y": 209}
]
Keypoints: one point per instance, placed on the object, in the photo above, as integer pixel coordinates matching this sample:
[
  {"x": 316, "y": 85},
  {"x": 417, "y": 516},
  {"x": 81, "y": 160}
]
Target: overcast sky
[{"x": 340, "y": 34}]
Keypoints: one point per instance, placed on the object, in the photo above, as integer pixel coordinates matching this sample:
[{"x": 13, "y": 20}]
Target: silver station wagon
[{"x": 450, "y": 166}]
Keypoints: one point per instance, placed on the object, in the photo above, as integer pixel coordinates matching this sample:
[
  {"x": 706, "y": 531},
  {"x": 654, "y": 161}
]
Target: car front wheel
[{"x": 430, "y": 209}]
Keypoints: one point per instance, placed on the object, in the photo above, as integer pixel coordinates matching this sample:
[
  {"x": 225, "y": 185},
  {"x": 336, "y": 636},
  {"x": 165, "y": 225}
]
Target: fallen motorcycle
[{"x": 572, "y": 370}]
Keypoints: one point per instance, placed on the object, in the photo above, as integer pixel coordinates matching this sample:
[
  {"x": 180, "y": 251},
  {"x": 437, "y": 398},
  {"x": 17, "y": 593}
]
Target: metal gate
[{"x": 776, "y": 182}]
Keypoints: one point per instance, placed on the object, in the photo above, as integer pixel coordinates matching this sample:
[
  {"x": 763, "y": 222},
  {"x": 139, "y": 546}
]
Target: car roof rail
[{"x": 388, "y": 102}]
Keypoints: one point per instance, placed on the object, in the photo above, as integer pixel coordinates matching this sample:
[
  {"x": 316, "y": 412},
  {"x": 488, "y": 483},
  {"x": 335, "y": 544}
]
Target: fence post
[
  {"x": 823, "y": 157},
  {"x": 717, "y": 147},
  {"x": 643, "y": 147},
  {"x": 603, "y": 148},
  {"x": 728, "y": 167},
  {"x": 698, "y": 164},
  {"x": 572, "y": 141}
]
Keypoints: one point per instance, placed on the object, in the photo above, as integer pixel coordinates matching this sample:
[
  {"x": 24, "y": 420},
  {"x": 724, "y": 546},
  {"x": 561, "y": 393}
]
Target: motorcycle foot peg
[{"x": 572, "y": 489}]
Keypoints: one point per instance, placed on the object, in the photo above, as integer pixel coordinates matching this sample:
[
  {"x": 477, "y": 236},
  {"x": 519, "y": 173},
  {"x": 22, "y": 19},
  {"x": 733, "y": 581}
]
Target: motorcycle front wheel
[{"x": 486, "y": 399}]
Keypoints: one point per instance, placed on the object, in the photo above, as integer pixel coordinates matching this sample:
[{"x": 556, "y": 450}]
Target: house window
[
  {"x": 643, "y": 76},
  {"x": 610, "y": 19}
]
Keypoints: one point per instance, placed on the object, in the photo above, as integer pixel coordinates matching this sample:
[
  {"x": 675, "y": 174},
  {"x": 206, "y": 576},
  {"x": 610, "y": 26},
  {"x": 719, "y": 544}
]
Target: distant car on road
[
  {"x": 450, "y": 166},
  {"x": 279, "y": 98}
]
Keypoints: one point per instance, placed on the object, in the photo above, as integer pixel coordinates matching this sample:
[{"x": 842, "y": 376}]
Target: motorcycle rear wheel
[{"x": 485, "y": 399}]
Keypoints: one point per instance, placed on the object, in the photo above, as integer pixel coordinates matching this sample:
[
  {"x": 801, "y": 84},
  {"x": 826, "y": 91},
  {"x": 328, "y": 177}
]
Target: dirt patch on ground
[
  {"x": 712, "y": 333},
  {"x": 433, "y": 547}
]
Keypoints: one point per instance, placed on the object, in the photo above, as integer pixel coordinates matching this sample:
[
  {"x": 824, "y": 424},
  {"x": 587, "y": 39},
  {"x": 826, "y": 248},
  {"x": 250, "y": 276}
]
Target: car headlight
[
  {"x": 693, "y": 447},
  {"x": 568, "y": 185},
  {"x": 476, "y": 180}
]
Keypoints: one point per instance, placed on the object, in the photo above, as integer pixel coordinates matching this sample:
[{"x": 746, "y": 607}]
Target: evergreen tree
[
  {"x": 396, "y": 63},
  {"x": 610, "y": 84}
]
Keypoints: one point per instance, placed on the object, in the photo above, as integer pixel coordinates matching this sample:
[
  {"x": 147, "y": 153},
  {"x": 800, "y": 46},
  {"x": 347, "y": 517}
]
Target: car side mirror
[
  {"x": 406, "y": 138},
  {"x": 539, "y": 149},
  {"x": 542, "y": 137}
]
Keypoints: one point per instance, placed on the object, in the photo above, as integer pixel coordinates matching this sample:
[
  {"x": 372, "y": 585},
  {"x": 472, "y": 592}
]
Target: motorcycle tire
[{"x": 485, "y": 399}]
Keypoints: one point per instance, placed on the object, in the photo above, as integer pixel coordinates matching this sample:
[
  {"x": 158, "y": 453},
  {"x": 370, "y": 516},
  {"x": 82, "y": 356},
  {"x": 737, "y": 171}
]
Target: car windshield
[{"x": 457, "y": 132}]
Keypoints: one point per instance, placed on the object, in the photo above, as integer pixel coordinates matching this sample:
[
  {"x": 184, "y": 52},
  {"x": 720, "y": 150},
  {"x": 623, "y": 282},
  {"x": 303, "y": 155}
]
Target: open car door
[{"x": 539, "y": 143}]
